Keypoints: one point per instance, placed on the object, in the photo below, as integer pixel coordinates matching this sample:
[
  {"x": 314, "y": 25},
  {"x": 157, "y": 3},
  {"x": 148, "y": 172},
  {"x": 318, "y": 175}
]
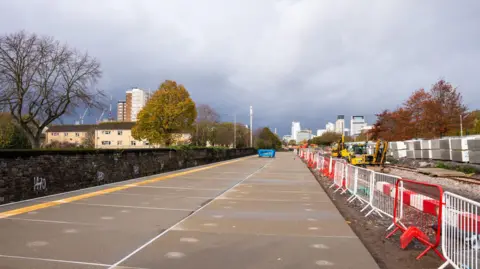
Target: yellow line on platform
[{"x": 27, "y": 209}]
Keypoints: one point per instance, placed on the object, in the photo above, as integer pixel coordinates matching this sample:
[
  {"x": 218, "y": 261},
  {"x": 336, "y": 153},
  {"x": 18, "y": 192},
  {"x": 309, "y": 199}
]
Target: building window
[
  {"x": 106, "y": 143},
  {"x": 146, "y": 143},
  {"x": 106, "y": 132},
  {"x": 120, "y": 132},
  {"x": 54, "y": 134},
  {"x": 77, "y": 134},
  {"x": 65, "y": 134},
  {"x": 119, "y": 143},
  {"x": 133, "y": 143}
]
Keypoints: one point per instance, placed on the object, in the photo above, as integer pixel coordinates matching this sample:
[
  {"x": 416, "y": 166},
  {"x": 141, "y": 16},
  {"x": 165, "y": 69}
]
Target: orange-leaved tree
[
  {"x": 431, "y": 114},
  {"x": 169, "y": 112}
]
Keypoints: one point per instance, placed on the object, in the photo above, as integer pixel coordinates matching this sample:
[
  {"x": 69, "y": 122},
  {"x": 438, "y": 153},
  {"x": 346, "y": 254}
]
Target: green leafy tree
[
  {"x": 292, "y": 143},
  {"x": 266, "y": 139},
  {"x": 169, "y": 111},
  {"x": 326, "y": 139},
  {"x": 89, "y": 141},
  {"x": 11, "y": 137}
]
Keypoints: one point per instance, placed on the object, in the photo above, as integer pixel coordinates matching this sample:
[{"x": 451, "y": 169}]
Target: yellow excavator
[
  {"x": 339, "y": 150},
  {"x": 379, "y": 156},
  {"x": 357, "y": 155}
]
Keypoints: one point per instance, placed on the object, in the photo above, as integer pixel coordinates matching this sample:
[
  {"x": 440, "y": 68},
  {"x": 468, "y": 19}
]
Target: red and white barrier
[
  {"x": 420, "y": 214},
  {"x": 456, "y": 225},
  {"x": 460, "y": 232}
]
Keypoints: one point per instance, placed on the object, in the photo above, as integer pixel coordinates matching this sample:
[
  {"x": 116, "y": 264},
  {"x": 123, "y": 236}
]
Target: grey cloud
[{"x": 305, "y": 60}]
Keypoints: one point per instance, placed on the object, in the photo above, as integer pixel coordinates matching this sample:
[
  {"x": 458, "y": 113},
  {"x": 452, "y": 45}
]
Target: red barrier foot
[{"x": 411, "y": 233}]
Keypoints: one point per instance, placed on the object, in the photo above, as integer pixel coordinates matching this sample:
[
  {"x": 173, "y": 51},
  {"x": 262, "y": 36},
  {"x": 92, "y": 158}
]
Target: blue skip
[{"x": 268, "y": 153}]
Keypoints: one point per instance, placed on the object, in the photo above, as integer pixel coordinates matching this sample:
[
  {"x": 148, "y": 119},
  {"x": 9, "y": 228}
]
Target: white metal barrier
[
  {"x": 351, "y": 181},
  {"x": 460, "y": 232},
  {"x": 339, "y": 175},
  {"x": 320, "y": 160},
  {"x": 363, "y": 187},
  {"x": 383, "y": 198}
]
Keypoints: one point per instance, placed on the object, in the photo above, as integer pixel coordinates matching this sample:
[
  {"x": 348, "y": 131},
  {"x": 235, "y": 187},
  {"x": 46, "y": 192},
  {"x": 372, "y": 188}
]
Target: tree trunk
[{"x": 34, "y": 141}]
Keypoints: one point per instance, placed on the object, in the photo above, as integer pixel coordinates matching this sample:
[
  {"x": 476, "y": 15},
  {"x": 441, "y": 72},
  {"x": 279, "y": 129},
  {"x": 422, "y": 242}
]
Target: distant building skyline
[
  {"x": 340, "y": 124},
  {"x": 356, "y": 125},
  {"x": 295, "y": 129},
  {"x": 135, "y": 100}
]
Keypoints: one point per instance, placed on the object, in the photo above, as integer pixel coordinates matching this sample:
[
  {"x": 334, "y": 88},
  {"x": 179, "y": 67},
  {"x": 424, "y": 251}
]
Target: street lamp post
[
  {"x": 234, "y": 131},
  {"x": 461, "y": 125},
  {"x": 251, "y": 126}
]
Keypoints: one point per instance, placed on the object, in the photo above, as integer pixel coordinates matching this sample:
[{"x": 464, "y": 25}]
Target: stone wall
[{"x": 31, "y": 173}]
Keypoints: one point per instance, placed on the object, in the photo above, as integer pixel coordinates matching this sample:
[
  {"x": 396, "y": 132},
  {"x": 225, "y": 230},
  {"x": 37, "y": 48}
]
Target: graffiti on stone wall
[
  {"x": 136, "y": 170},
  {"x": 100, "y": 176},
  {"x": 39, "y": 184}
]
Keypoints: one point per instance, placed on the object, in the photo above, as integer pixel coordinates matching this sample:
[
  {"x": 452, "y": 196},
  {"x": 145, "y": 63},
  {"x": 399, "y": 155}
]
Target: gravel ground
[
  {"x": 470, "y": 191},
  {"x": 372, "y": 231}
]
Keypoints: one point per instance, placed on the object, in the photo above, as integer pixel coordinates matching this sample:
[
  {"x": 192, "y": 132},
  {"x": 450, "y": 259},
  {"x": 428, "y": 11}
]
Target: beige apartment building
[
  {"x": 107, "y": 135},
  {"x": 112, "y": 135},
  {"x": 74, "y": 134}
]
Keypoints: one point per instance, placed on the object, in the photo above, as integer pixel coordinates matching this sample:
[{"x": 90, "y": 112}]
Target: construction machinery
[
  {"x": 339, "y": 150},
  {"x": 357, "y": 154},
  {"x": 361, "y": 157}
]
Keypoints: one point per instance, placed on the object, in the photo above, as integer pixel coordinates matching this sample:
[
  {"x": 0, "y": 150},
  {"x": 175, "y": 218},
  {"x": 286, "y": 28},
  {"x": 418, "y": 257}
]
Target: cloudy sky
[{"x": 304, "y": 60}]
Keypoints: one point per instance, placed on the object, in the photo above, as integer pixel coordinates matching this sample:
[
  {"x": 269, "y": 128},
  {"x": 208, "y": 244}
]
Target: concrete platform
[
  {"x": 248, "y": 213},
  {"x": 440, "y": 172}
]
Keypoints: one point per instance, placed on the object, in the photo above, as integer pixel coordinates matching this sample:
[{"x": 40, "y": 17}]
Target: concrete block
[
  {"x": 460, "y": 143},
  {"x": 426, "y": 144},
  {"x": 474, "y": 144},
  {"x": 460, "y": 156},
  {"x": 409, "y": 145},
  {"x": 441, "y": 154},
  {"x": 474, "y": 157},
  {"x": 435, "y": 144},
  {"x": 426, "y": 153},
  {"x": 417, "y": 153},
  {"x": 397, "y": 154},
  {"x": 401, "y": 145},
  {"x": 397, "y": 145},
  {"x": 445, "y": 143},
  {"x": 417, "y": 145},
  {"x": 410, "y": 154}
]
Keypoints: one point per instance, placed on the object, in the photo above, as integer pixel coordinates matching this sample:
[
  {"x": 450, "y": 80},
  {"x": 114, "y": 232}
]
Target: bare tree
[
  {"x": 41, "y": 80},
  {"x": 204, "y": 131},
  {"x": 207, "y": 113}
]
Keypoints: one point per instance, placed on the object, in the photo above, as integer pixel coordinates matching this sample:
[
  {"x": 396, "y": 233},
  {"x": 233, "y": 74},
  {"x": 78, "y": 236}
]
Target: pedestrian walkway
[{"x": 246, "y": 213}]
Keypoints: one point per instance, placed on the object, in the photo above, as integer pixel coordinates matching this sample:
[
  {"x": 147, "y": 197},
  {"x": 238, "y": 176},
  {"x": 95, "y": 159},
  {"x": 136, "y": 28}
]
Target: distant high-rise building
[
  {"x": 304, "y": 135},
  {"x": 330, "y": 127},
  {"x": 320, "y": 132},
  {"x": 340, "y": 124},
  {"x": 135, "y": 100},
  {"x": 356, "y": 125},
  {"x": 295, "y": 129},
  {"x": 287, "y": 138},
  {"x": 139, "y": 99},
  {"x": 122, "y": 111}
]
